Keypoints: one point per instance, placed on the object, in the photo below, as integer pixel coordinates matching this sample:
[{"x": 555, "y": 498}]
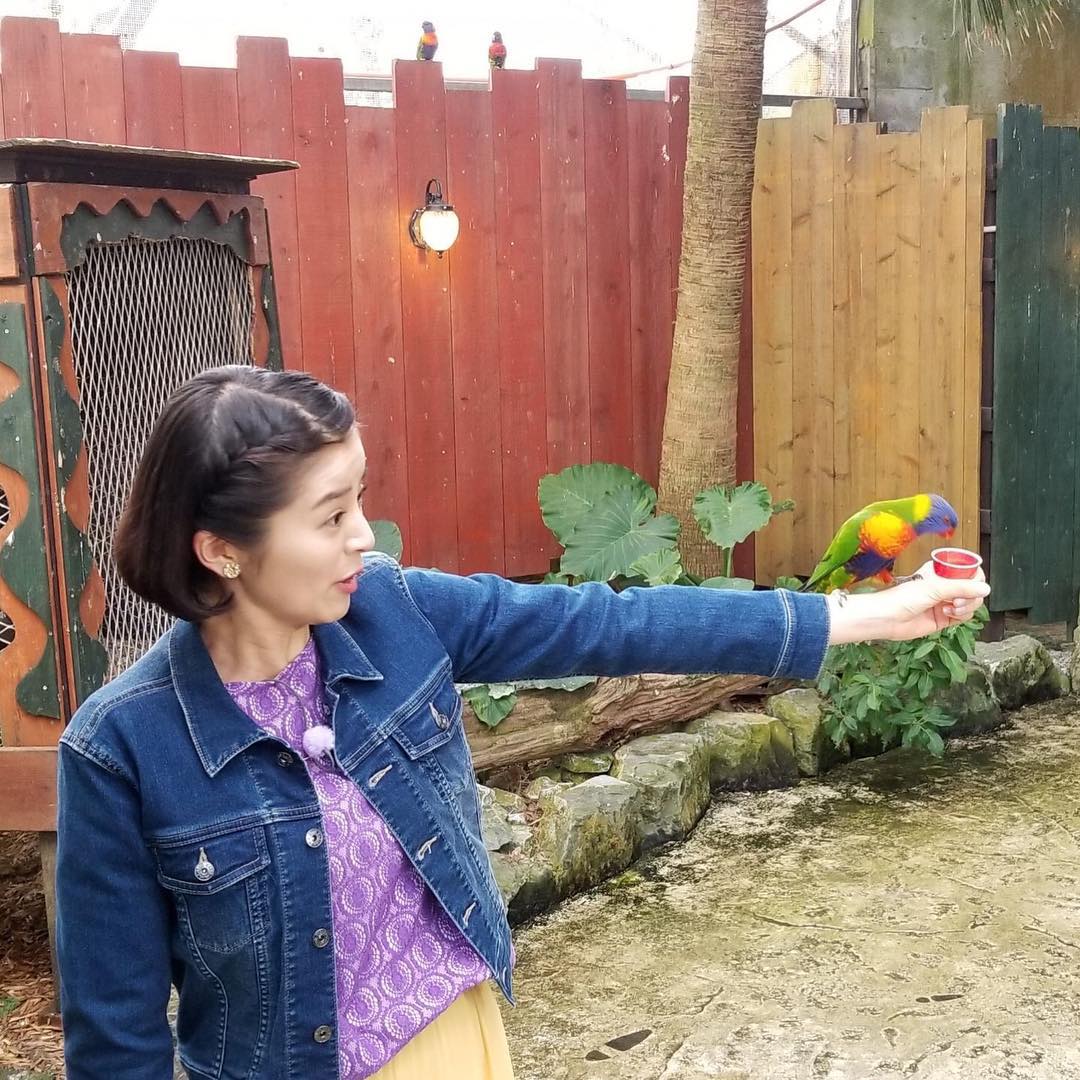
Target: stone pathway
[{"x": 901, "y": 918}]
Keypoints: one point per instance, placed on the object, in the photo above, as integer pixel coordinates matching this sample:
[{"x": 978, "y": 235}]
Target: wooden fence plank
[
  {"x": 845, "y": 338},
  {"x": 1016, "y": 355},
  {"x": 934, "y": 468},
  {"x": 893, "y": 380},
  {"x": 1070, "y": 186},
  {"x": 420, "y": 112},
  {"x": 607, "y": 217},
  {"x": 264, "y": 98},
  {"x": 30, "y": 57},
  {"x": 951, "y": 302},
  {"x": 470, "y": 169},
  {"x": 94, "y": 87},
  {"x": 211, "y": 116},
  {"x": 678, "y": 103},
  {"x": 772, "y": 330},
  {"x": 863, "y": 368},
  {"x": 814, "y": 520},
  {"x": 973, "y": 338},
  {"x": 153, "y": 99},
  {"x": 909, "y": 248},
  {"x": 651, "y": 310},
  {"x": 1054, "y": 446},
  {"x": 519, "y": 285},
  {"x": 322, "y": 210},
  {"x": 562, "y": 211},
  {"x": 376, "y": 297}
]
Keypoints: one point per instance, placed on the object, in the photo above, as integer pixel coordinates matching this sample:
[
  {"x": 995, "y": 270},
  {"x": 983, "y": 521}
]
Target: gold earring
[{"x": 230, "y": 570}]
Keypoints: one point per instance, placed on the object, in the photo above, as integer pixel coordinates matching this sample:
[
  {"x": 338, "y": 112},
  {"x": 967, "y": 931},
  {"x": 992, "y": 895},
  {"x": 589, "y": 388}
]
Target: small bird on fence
[
  {"x": 868, "y": 544},
  {"x": 428, "y": 44},
  {"x": 497, "y": 51}
]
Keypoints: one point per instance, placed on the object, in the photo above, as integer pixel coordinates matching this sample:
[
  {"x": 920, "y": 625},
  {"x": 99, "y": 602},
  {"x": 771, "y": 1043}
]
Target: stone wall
[
  {"x": 910, "y": 59},
  {"x": 590, "y": 815}
]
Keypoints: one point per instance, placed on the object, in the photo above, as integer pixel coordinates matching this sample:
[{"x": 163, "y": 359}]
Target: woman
[{"x": 275, "y": 810}]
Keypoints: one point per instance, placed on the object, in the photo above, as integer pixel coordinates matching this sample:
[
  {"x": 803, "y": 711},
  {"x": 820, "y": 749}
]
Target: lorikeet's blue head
[{"x": 940, "y": 519}]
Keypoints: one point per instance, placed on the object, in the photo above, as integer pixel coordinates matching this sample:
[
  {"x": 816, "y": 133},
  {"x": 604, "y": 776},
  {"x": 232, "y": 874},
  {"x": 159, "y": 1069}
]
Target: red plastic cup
[{"x": 955, "y": 562}]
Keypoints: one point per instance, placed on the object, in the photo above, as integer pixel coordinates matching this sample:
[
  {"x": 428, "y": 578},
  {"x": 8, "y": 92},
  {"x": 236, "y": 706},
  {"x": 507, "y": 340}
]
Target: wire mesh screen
[
  {"x": 811, "y": 53},
  {"x": 146, "y": 315}
]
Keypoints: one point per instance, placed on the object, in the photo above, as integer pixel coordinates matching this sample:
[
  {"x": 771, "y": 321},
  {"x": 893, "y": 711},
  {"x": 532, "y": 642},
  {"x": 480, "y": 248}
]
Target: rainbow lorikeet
[
  {"x": 497, "y": 51},
  {"x": 428, "y": 44},
  {"x": 869, "y": 542}
]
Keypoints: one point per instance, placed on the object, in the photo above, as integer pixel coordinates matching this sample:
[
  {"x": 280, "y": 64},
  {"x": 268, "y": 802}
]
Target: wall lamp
[{"x": 434, "y": 226}]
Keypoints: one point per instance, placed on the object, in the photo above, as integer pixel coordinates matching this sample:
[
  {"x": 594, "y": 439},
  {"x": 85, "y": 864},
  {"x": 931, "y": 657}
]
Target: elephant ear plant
[{"x": 605, "y": 518}]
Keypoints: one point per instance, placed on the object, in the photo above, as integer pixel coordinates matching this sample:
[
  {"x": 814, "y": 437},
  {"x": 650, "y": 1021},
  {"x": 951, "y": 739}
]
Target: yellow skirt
[{"x": 467, "y": 1042}]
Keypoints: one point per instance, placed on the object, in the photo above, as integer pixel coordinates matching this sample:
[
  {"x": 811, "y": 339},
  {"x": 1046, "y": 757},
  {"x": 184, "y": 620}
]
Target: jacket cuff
[{"x": 806, "y": 638}]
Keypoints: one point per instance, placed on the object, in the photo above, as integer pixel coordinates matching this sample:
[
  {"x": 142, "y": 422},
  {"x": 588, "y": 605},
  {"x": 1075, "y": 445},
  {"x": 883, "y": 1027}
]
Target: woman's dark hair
[{"x": 221, "y": 457}]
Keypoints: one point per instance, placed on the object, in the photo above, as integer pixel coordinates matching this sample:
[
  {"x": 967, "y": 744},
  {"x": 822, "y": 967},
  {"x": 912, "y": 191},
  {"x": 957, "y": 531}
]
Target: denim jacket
[{"x": 161, "y": 774}]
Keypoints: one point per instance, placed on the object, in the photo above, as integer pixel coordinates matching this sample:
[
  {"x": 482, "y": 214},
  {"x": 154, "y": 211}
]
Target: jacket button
[
  {"x": 285, "y": 759},
  {"x": 323, "y": 1033},
  {"x": 321, "y": 938},
  {"x": 442, "y": 721},
  {"x": 313, "y": 838}
]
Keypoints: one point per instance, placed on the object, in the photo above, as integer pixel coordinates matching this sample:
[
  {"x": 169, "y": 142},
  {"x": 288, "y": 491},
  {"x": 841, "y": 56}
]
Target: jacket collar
[{"x": 219, "y": 728}]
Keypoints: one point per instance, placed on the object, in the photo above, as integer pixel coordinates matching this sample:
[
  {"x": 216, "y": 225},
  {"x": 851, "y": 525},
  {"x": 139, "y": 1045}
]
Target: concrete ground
[{"x": 902, "y": 917}]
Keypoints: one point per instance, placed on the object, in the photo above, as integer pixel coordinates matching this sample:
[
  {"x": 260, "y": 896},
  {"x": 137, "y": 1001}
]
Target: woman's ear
[{"x": 213, "y": 552}]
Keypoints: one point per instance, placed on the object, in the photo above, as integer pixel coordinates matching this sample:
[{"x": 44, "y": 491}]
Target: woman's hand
[{"x": 918, "y": 607}]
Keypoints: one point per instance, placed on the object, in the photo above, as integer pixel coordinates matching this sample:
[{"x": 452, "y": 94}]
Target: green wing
[{"x": 844, "y": 546}]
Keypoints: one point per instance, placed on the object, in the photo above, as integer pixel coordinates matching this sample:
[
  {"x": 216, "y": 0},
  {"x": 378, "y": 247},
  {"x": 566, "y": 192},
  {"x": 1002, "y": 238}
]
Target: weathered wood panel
[{"x": 877, "y": 256}]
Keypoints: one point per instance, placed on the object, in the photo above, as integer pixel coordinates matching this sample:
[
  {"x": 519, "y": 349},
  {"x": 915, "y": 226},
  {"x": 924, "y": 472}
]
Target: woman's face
[{"x": 304, "y": 570}]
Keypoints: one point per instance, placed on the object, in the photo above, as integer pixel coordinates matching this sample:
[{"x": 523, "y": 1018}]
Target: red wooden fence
[{"x": 541, "y": 340}]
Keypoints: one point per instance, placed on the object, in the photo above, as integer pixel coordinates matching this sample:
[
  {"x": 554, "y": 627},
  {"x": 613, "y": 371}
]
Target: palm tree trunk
[{"x": 699, "y": 423}]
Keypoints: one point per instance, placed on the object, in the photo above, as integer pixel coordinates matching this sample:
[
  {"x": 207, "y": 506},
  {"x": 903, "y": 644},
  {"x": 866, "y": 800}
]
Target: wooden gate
[
  {"x": 867, "y": 256},
  {"x": 1035, "y": 507}
]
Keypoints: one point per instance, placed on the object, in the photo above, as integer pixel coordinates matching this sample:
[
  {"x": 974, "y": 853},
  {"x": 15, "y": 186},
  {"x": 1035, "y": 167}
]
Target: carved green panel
[
  {"x": 269, "y": 309},
  {"x": 89, "y": 656},
  {"x": 23, "y": 563}
]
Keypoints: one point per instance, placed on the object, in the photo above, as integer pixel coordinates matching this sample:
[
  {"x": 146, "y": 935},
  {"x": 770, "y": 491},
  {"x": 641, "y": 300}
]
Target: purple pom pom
[{"x": 318, "y": 740}]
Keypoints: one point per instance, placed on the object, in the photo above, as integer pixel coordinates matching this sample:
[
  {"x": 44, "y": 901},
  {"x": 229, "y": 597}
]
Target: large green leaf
[
  {"x": 490, "y": 710},
  {"x": 568, "y": 497},
  {"x": 620, "y": 530},
  {"x": 743, "y": 584},
  {"x": 659, "y": 567},
  {"x": 727, "y": 516},
  {"x": 387, "y": 538}
]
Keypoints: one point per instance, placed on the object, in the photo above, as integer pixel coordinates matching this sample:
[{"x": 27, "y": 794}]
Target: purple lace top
[{"x": 399, "y": 960}]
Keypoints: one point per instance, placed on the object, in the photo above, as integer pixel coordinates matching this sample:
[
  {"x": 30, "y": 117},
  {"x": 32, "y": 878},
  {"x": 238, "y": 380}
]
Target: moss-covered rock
[
  {"x": 672, "y": 772},
  {"x": 499, "y": 831},
  {"x": 542, "y": 785},
  {"x": 526, "y": 882},
  {"x": 1022, "y": 671},
  {"x": 589, "y": 831},
  {"x": 594, "y": 763},
  {"x": 747, "y": 751},
  {"x": 801, "y": 711},
  {"x": 971, "y": 704}
]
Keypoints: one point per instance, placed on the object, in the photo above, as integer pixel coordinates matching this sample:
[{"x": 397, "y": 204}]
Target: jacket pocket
[
  {"x": 436, "y": 722},
  {"x": 219, "y": 886}
]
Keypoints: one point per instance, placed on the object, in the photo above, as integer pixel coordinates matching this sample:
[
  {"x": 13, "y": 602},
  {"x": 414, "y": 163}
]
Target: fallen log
[{"x": 548, "y": 723}]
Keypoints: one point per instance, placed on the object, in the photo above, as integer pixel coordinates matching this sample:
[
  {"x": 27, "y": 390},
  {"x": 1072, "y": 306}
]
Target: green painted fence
[{"x": 1035, "y": 503}]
